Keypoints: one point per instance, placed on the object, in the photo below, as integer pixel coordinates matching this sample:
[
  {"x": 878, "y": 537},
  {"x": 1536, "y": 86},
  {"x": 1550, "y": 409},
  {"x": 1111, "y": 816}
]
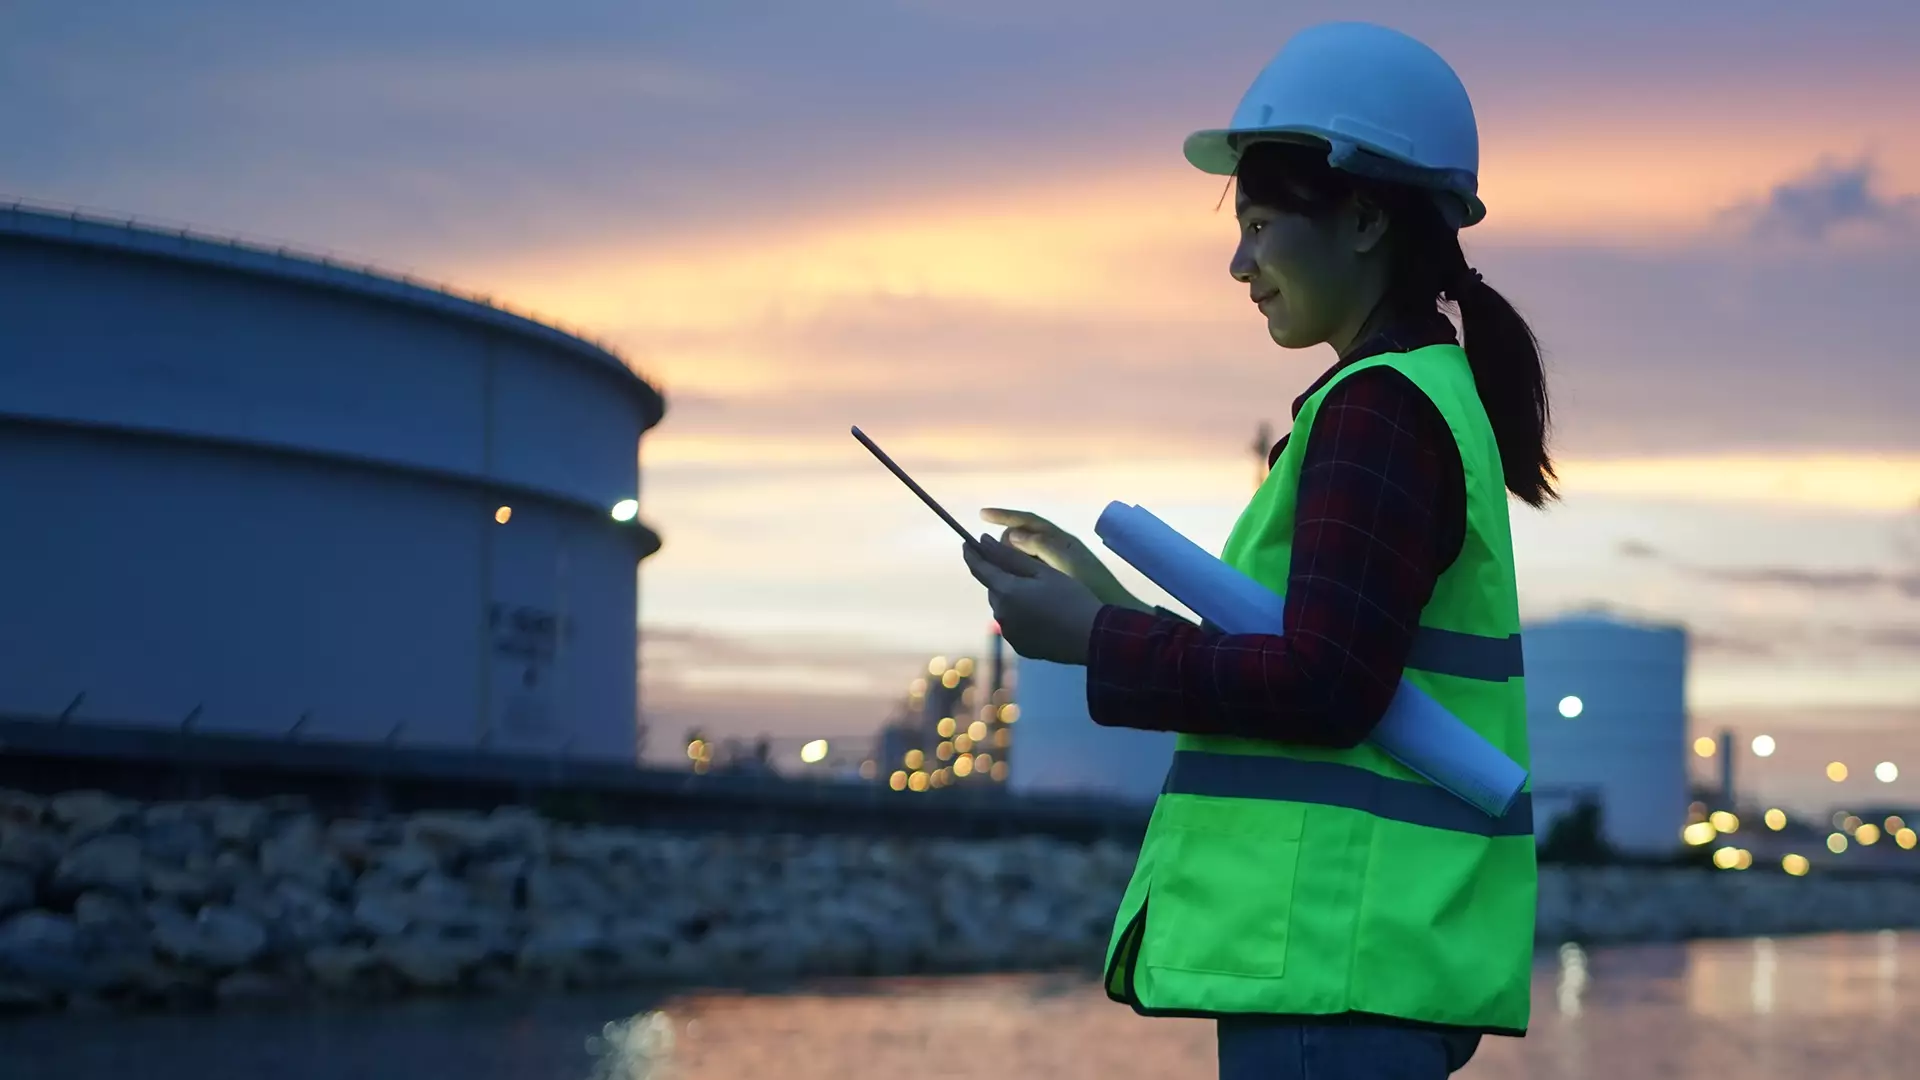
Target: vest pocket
[{"x": 1222, "y": 887}]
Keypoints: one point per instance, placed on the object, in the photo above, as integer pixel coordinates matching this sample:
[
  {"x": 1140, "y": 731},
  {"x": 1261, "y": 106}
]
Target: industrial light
[
  {"x": 503, "y": 515},
  {"x": 626, "y": 510},
  {"x": 1570, "y": 706},
  {"x": 814, "y": 751},
  {"x": 1763, "y": 746},
  {"x": 1886, "y": 772}
]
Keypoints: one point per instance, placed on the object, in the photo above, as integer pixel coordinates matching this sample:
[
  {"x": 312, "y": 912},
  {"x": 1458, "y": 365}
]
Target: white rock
[
  {"x": 219, "y": 938},
  {"x": 16, "y": 889},
  {"x": 189, "y": 887},
  {"x": 113, "y": 862},
  {"x": 407, "y": 864},
  {"x": 296, "y": 853},
  {"x": 564, "y": 943},
  {"x": 569, "y": 888},
  {"x": 235, "y": 822},
  {"x": 251, "y": 986},
  {"x": 382, "y": 914},
  {"x": 89, "y": 813},
  {"x": 305, "y": 918},
  {"x": 340, "y": 967},
  {"x": 448, "y": 835},
  {"x": 357, "y": 841},
  {"x": 496, "y": 883},
  {"x": 29, "y": 847},
  {"x": 431, "y": 962},
  {"x": 597, "y": 846},
  {"x": 520, "y": 830},
  {"x": 45, "y": 949},
  {"x": 20, "y": 808},
  {"x": 105, "y": 909}
]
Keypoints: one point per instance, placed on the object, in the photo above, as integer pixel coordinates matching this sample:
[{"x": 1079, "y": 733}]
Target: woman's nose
[{"x": 1242, "y": 267}]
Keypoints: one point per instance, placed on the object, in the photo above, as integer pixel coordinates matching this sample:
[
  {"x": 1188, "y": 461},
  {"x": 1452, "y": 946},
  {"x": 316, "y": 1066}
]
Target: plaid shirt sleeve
[{"x": 1380, "y": 514}]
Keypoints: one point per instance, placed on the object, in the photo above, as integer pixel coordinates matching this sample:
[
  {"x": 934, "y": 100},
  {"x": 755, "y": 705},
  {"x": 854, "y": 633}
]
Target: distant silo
[
  {"x": 1062, "y": 751},
  {"x": 1606, "y": 719}
]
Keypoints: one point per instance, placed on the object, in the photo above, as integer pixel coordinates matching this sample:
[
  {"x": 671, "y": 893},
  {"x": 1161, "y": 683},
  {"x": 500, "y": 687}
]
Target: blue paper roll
[{"x": 1416, "y": 731}]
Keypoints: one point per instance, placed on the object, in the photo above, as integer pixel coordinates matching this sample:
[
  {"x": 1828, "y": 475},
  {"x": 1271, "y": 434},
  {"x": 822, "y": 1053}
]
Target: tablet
[{"x": 972, "y": 541}]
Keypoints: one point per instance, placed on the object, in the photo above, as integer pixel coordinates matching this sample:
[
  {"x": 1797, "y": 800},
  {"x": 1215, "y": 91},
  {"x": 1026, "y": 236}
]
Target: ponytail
[
  {"x": 1512, "y": 381},
  {"x": 1427, "y": 264}
]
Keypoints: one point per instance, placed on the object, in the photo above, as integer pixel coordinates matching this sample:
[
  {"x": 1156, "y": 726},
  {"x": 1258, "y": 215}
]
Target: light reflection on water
[{"x": 1779, "y": 1009}]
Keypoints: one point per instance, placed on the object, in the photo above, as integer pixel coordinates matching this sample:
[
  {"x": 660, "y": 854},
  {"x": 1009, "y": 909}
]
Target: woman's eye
[{"x": 1254, "y": 227}]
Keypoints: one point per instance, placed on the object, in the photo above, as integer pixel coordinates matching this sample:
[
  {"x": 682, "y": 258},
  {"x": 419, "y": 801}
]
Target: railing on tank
[{"x": 275, "y": 249}]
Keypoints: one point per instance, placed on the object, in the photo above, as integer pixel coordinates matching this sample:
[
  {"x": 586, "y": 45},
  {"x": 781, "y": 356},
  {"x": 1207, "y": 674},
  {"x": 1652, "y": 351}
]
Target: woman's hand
[
  {"x": 1043, "y": 613},
  {"x": 1036, "y": 536}
]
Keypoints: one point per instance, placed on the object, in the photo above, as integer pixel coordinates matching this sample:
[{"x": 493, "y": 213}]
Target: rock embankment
[{"x": 110, "y": 903}]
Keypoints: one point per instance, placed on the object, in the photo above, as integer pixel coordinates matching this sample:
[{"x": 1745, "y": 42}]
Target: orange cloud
[{"x": 1866, "y": 482}]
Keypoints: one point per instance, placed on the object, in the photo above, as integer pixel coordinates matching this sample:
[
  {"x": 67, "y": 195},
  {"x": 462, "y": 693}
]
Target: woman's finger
[
  {"x": 1018, "y": 519},
  {"x": 1009, "y": 558},
  {"x": 983, "y": 569}
]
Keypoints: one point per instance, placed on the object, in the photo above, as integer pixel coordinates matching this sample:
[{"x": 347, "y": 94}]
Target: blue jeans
[{"x": 1258, "y": 1048}]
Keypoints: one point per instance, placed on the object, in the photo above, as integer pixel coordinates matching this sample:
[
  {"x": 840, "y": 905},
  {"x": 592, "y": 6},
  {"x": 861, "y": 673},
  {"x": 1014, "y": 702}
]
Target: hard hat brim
[
  {"x": 1213, "y": 152},
  {"x": 1217, "y": 151}
]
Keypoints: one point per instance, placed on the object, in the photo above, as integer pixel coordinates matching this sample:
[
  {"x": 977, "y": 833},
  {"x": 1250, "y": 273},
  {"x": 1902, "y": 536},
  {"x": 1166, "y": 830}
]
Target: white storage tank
[
  {"x": 1060, "y": 750},
  {"x": 258, "y": 494},
  {"x": 1607, "y": 720}
]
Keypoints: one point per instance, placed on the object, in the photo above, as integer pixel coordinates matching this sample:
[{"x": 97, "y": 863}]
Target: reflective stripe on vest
[
  {"x": 1469, "y": 656},
  {"x": 1284, "y": 779},
  {"x": 1450, "y": 652}
]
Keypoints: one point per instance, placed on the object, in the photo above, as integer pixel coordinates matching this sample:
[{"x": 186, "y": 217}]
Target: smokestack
[
  {"x": 1726, "y": 769},
  {"x": 997, "y": 650}
]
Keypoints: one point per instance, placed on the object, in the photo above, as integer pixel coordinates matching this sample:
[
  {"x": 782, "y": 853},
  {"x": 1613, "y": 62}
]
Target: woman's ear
[{"x": 1370, "y": 221}]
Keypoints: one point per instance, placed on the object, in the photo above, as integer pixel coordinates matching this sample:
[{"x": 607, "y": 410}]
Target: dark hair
[{"x": 1427, "y": 264}]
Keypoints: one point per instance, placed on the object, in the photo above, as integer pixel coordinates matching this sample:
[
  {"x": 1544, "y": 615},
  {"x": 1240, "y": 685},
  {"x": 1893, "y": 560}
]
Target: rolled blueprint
[{"x": 1416, "y": 731}]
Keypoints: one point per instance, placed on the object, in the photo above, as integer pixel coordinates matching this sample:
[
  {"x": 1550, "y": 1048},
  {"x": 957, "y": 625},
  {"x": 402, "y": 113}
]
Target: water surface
[{"x": 1834, "y": 1006}]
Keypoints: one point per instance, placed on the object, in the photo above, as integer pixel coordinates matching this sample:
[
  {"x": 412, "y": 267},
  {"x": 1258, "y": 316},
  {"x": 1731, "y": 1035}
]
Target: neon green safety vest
[{"x": 1292, "y": 880}]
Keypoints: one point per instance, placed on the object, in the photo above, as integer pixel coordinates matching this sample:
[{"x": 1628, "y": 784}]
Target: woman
[{"x": 1321, "y": 901}]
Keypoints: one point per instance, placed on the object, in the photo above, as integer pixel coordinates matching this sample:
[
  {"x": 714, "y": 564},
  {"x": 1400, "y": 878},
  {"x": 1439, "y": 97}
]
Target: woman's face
[{"x": 1304, "y": 274}]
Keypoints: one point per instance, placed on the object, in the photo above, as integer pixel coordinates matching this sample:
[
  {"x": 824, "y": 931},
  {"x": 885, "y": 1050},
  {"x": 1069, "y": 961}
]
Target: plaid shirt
[{"x": 1381, "y": 514}]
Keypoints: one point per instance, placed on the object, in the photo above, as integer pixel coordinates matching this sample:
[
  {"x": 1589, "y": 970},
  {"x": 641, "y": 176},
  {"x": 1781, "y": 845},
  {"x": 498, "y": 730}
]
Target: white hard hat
[{"x": 1388, "y": 106}]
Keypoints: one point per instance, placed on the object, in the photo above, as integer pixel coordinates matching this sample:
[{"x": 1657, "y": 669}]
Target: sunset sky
[{"x": 966, "y": 226}]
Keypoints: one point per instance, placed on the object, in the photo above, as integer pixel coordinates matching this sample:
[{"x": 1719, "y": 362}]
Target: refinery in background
[
  {"x": 1606, "y": 717},
  {"x": 953, "y": 727}
]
